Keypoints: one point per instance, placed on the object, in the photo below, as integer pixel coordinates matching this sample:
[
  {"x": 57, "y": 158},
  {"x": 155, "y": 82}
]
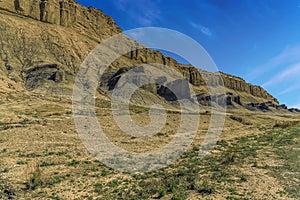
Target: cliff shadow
[{"x": 17, "y": 5}]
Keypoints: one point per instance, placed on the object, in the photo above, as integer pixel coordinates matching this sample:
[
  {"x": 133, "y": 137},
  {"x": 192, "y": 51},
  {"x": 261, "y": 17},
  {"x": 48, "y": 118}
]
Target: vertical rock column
[
  {"x": 68, "y": 13},
  {"x": 50, "y": 11},
  {"x": 28, "y": 8}
]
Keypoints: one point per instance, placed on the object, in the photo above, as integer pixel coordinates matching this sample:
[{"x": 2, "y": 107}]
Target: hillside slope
[{"x": 64, "y": 32}]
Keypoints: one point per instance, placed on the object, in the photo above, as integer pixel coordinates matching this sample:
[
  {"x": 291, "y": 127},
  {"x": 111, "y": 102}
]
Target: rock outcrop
[
  {"x": 137, "y": 78},
  {"x": 66, "y": 13},
  {"x": 294, "y": 110},
  {"x": 175, "y": 90},
  {"x": 228, "y": 100},
  {"x": 238, "y": 84},
  {"x": 199, "y": 77},
  {"x": 170, "y": 90},
  {"x": 40, "y": 75}
]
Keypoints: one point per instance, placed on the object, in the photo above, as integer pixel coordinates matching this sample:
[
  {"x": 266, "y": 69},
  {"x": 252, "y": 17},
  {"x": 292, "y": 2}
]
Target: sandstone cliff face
[
  {"x": 201, "y": 78},
  {"x": 238, "y": 84},
  {"x": 66, "y": 13}
]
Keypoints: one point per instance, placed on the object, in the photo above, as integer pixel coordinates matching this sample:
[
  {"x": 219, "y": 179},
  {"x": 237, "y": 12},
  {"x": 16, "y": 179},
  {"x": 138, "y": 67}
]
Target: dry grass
[
  {"x": 44, "y": 156},
  {"x": 286, "y": 124},
  {"x": 239, "y": 119}
]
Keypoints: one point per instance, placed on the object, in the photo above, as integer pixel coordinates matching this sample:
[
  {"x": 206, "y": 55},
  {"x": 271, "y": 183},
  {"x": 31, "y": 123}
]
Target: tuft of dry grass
[
  {"x": 285, "y": 124},
  {"x": 34, "y": 176},
  {"x": 240, "y": 119}
]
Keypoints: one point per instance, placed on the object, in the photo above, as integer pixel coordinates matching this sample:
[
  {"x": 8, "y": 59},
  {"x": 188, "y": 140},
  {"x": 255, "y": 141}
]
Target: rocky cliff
[
  {"x": 66, "y": 13},
  {"x": 66, "y": 31},
  {"x": 199, "y": 77}
]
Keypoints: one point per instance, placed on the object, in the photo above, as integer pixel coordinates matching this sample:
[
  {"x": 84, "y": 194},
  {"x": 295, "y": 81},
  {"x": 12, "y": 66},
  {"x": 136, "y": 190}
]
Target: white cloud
[
  {"x": 205, "y": 30},
  {"x": 287, "y": 74}
]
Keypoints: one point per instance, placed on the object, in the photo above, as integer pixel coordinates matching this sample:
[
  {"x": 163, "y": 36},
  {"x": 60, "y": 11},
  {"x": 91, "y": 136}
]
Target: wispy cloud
[
  {"x": 149, "y": 17},
  {"x": 205, "y": 30},
  {"x": 283, "y": 75},
  {"x": 296, "y": 105},
  {"x": 289, "y": 55},
  {"x": 287, "y": 74},
  {"x": 121, "y": 4},
  {"x": 290, "y": 89},
  {"x": 144, "y": 12}
]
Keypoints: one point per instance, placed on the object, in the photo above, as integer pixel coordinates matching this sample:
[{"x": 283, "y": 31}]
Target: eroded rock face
[
  {"x": 258, "y": 106},
  {"x": 114, "y": 79},
  {"x": 227, "y": 100},
  {"x": 136, "y": 77},
  {"x": 40, "y": 75},
  {"x": 175, "y": 90},
  {"x": 294, "y": 110},
  {"x": 204, "y": 99},
  {"x": 195, "y": 77},
  {"x": 62, "y": 12},
  {"x": 238, "y": 84},
  {"x": 172, "y": 91}
]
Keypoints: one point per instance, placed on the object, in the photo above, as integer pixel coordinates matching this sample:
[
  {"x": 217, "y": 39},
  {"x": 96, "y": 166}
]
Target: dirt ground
[{"x": 42, "y": 156}]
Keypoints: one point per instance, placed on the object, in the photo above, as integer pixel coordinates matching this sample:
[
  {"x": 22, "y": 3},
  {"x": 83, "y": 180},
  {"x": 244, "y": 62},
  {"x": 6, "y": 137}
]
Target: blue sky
[{"x": 258, "y": 40}]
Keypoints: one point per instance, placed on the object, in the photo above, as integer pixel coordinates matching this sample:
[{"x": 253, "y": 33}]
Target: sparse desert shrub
[
  {"x": 243, "y": 177},
  {"x": 285, "y": 124},
  {"x": 98, "y": 188},
  {"x": 21, "y": 162},
  {"x": 205, "y": 188},
  {"x": 159, "y": 134},
  {"x": 73, "y": 163},
  {"x": 34, "y": 177},
  {"x": 240, "y": 119},
  {"x": 230, "y": 155}
]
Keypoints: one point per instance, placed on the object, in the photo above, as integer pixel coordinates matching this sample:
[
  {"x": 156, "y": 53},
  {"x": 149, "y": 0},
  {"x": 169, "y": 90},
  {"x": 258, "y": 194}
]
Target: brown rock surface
[{"x": 66, "y": 13}]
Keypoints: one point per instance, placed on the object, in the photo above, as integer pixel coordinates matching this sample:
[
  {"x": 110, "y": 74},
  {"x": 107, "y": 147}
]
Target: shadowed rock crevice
[
  {"x": 175, "y": 90},
  {"x": 17, "y": 5},
  {"x": 42, "y": 9},
  {"x": 41, "y": 75}
]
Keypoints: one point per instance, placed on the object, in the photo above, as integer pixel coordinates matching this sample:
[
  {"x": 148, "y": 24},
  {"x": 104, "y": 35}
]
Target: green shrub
[
  {"x": 205, "y": 188},
  {"x": 98, "y": 188}
]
